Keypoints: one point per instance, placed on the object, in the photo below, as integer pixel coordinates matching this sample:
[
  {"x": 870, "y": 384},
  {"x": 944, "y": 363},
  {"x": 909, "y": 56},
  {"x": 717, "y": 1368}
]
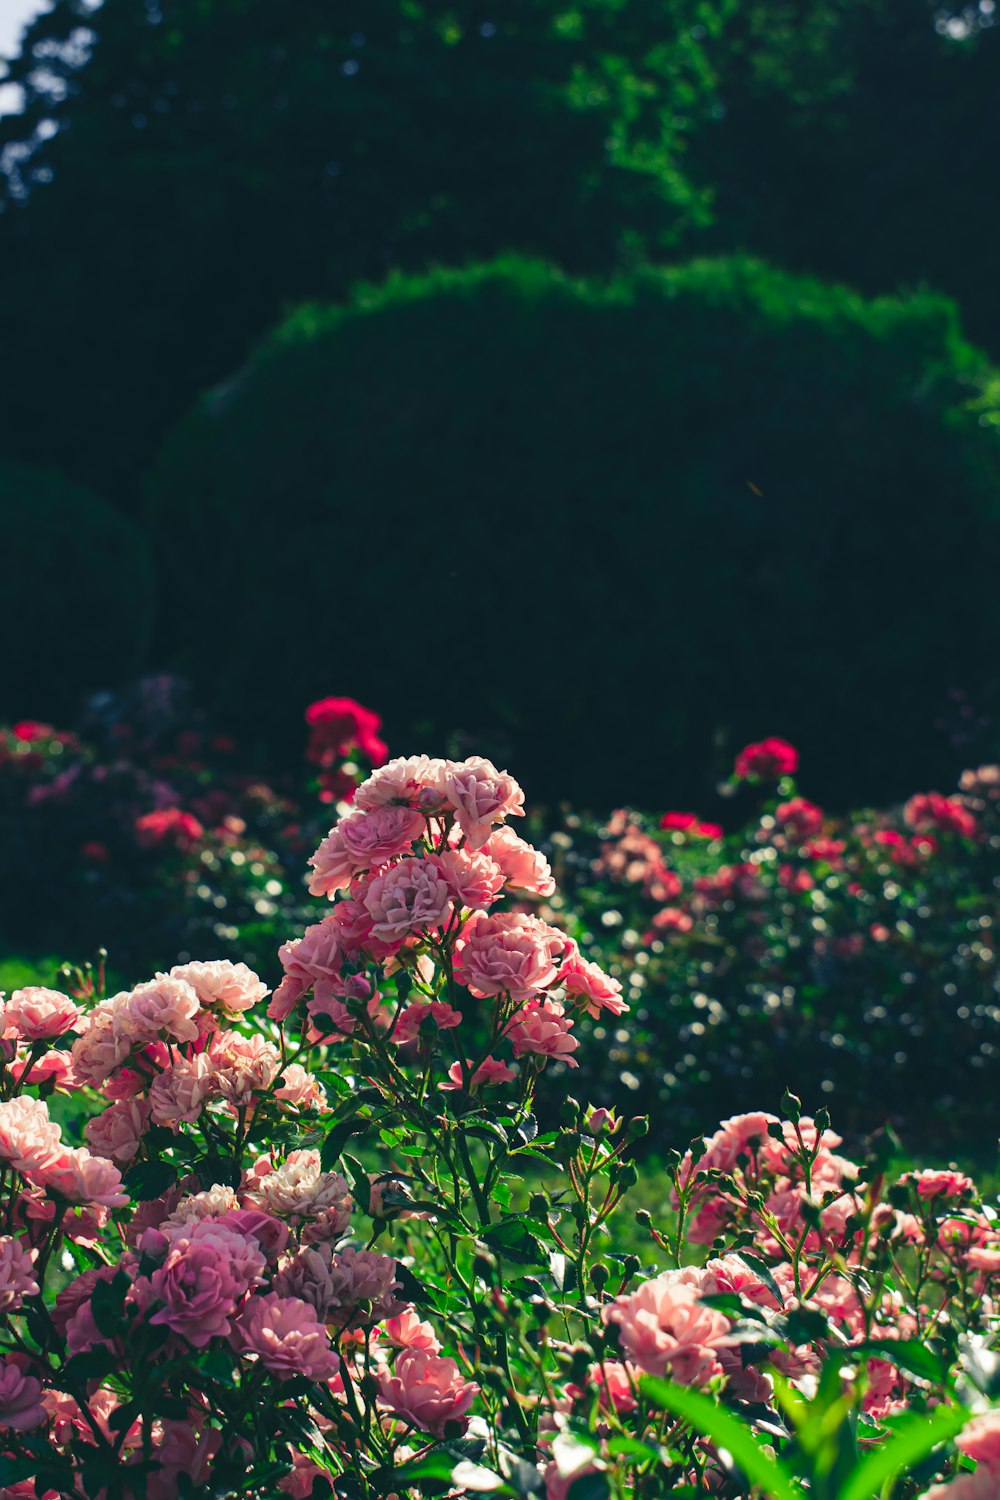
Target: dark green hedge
[
  {"x": 608, "y": 529},
  {"x": 78, "y": 593}
]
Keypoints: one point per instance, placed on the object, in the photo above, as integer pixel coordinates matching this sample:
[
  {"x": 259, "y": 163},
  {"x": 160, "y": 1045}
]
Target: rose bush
[
  {"x": 320, "y": 1245},
  {"x": 854, "y": 954}
]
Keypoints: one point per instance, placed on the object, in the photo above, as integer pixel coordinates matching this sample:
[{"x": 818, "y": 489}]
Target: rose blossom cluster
[
  {"x": 416, "y": 871},
  {"x": 342, "y": 732}
]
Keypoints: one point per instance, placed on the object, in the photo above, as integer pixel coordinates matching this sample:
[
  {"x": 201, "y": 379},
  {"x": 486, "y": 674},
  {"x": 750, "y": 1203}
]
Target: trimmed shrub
[
  {"x": 728, "y": 494},
  {"x": 78, "y": 592}
]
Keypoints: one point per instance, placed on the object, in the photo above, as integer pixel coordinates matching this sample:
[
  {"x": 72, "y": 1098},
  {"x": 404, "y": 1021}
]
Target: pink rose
[
  {"x": 473, "y": 878},
  {"x": 404, "y": 781},
  {"x": 317, "y": 955},
  {"x": 300, "y": 1088},
  {"x": 588, "y": 984},
  {"x": 427, "y": 1391},
  {"x": 767, "y": 760},
  {"x": 406, "y": 1331},
  {"x": 542, "y": 1029},
  {"x": 363, "y": 1288},
  {"x": 481, "y": 796},
  {"x": 410, "y": 1020},
  {"x": 179, "y": 1094},
  {"x": 287, "y": 1337},
  {"x": 164, "y": 1005},
  {"x": 411, "y": 897},
  {"x": 508, "y": 953},
  {"x": 221, "y": 985},
  {"x": 28, "y": 1138},
  {"x": 34, "y": 1014},
  {"x": 664, "y": 1328},
  {"x": 245, "y": 1065},
  {"x": 199, "y": 1289},
  {"x": 489, "y": 1073},
  {"x": 117, "y": 1133},
  {"x": 980, "y": 1440},
  {"x": 522, "y": 866},
  {"x": 20, "y": 1397},
  {"x": 82, "y": 1178},
  {"x": 17, "y": 1273}
]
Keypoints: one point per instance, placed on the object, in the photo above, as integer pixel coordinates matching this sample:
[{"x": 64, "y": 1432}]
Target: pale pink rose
[
  {"x": 287, "y": 1337},
  {"x": 28, "y": 1138},
  {"x": 523, "y": 867},
  {"x": 741, "y": 1135},
  {"x": 117, "y": 1133},
  {"x": 245, "y": 1065},
  {"x": 364, "y": 1285},
  {"x": 242, "y": 1252},
  {"x": 179, "y": 1094},
  {"x": 300, "y": 1191},
  {"x": 221, "y": 985},
  {"x": 664, "y": 1328},
  {"x": 181, "y": 1450},
  {"x": 332, "y": 864},
  {"x": 543, "y": 1029},
  {"x": 411, "y": 897},
  {"x": 82, "y": 1178},
  {"x": 508, "y": 953},
  {"x": 300, "y": 1088},
  {"x": 981, "y": 1440},
  {"x": 591, "y": 987},
  {"x": 164, "y": 1005},
  {"x": 55, "y": 1068},
  {"x": 984, "y": 1258},
  {"x": 317, "y": 955},
  {"x": 404, "y": 781},
  {"x": 107, "y": 1042},
  {"x": 35, "y": 1014},
  {"x": 198, "y": 1289},
  {"x": 374, "y": 838},
  {"x": 489, "y": 1074},
  {"x": 211, "y": 1203},
  {"x": 125, "y": 1085},
  {"x": 616, "y": 1382},
  {"x": 17, "y": 1273},
  {"x": 472, "y": 877},
  {"x": 406, "y": 1331},
  {"x": 20, "y": 1397},
  {"x": 482, "y": 796},
  {"x": 410, "y": 1020},
  {"x": 307, "y": 1276},
  {"x": 427, "y": 1392}
]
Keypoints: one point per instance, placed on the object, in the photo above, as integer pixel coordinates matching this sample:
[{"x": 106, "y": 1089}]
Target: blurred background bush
[{"x": 660, "y": 333}]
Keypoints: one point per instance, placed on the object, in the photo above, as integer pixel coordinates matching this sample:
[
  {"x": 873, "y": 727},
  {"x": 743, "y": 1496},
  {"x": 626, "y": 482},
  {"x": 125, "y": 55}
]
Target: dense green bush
[
  {"x": 78, "y": 597},
  {"x": 726, "y": 495}
]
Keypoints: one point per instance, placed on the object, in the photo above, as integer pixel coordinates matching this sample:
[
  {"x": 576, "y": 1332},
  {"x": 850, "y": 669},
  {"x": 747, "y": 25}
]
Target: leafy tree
[{"x": 731, "y": 495}]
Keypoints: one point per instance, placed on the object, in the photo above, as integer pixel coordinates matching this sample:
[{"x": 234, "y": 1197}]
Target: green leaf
[
  {"x": 107, "y": 1304},
  {"x": 513, "y": 1239},
  {"x": 761, "y": 1268},
  {"x": 589, "y": 1487},
  {"x": 413, "y": 1289},
  {"x": 13, "y": 1470},
  {"x": 713, "y": 1421},
  {"x": 909, "y": 1355},
  {"x": 149, "y": 1179},
  {"x": 913, "y": 1437}
]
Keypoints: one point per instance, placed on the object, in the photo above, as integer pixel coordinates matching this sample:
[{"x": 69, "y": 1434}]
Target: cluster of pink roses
[{"x": 415, "y": 870}]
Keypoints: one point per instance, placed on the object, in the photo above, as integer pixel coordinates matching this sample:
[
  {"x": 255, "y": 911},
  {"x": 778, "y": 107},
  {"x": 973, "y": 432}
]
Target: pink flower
[
  {"x": 374, "y": 838},
  {"x": 931, "y": 812},
  {"x": 55, "y": 1068},
  {"x": 944, "y": 1183},
  {"x": 20, "y": 1397},
  {"x": 404, "y": 781},
  {"x": 245, "y": 1065},
  {"x": 363, "y": 1288},
  {"x": 663, "y": 1327},
  {"x": 28, "y": 1138},
  {"x": 522, "y": 866},
  {"x": 406, "y": 1331},
  {"x": 182, "y": 1450},
  {"x": 34, "y": 1014},
  {"x": 199, "y": 1288},
  {"x": 340, "y": 724},
  {"x": 768, "y": 760},
  {"x": 691, "y": 824},
  {"x": 671, "y": 919},
  {"x": 588, "y": 984},
  {"x": 543, "y": 1029},
  {"x": 163, "y": 1005},
  {"x": 481, "y": 796},
  {"x": 117, "y": 1133},
  {"x": 798, "y": 818},
  {"x": 300, "y": 1088},
  {"x": 106, "y": 1043},
  {"x": 427, "y": 1391},
  {"x": 167, "y": 825},
  {"x": 179, "y": 1094},
  {"x": 221, "y": 985},
  {"x": 287, "y": 1337},
  {"x": 489, "y": 1073},
  {"x": 473, "y": 878},
  {"x": 981, "y": 1440},
  {"x": 508, "y": 953},
  {"x": 411, "y": 1019},
  {"x": 300, "y": 1191},
  {"x": 317, "y": 955},
  {"x": 17, "y": 1273},
  {"x": 82, "y": 1178},
  {"x": 411, "y": 897}
]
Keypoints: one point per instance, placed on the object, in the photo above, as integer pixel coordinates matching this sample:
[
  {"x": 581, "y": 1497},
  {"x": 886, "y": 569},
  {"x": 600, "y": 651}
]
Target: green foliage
[
  {"x": 723, "y": 490},
  {"x": 77, "y": 590}
]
